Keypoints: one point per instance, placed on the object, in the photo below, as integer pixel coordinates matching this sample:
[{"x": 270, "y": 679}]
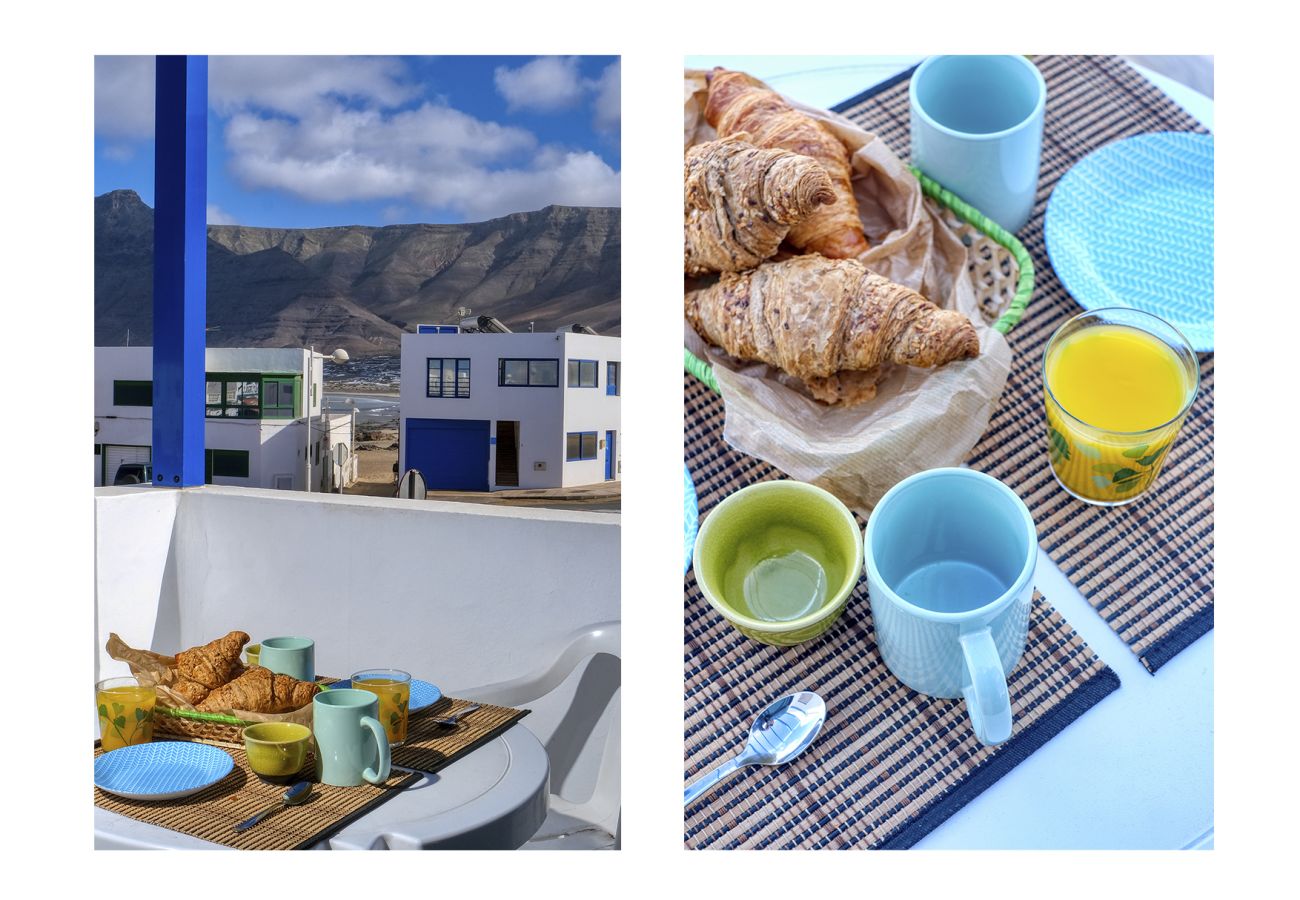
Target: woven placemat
[
  {"x": 213, "y": 813},
  {"x": 890, "y": 764},
  {"x": 1148, "y": 568},
  {"x": 430, "y": 747}
]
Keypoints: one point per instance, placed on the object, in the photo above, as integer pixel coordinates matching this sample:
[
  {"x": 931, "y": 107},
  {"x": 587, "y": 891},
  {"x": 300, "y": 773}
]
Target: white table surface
[
  {"x": 1137, "y": 770},
  {"x": 493, "y": 798}
]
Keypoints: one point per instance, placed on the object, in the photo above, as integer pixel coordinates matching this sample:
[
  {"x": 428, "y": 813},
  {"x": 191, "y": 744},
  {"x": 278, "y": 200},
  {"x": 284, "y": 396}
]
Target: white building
[
  {"x": 482, "y": 411},
  {"x": 255, "y": 430}
]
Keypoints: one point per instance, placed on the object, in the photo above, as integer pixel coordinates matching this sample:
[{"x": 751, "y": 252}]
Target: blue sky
[{"x": 302, "y": 142}]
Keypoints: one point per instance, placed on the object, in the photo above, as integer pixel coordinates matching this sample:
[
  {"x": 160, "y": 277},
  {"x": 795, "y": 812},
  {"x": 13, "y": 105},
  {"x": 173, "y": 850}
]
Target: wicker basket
[
  {"x": 213, "y": 728},
  {"x": 997, "y": 261}
]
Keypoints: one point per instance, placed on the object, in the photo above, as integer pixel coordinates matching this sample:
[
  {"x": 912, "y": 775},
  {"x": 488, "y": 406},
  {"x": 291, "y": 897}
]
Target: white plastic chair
[{"x": 569, "y": 732}]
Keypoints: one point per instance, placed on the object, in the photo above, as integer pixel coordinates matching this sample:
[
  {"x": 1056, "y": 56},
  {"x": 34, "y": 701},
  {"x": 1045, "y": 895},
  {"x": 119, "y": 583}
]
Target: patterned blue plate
[
  {"x": 163, "y": 770},
  {"x": 1132, "y": 224},
  {"x": 422, "y": 693},
  {"x": 692, "y": 517}
]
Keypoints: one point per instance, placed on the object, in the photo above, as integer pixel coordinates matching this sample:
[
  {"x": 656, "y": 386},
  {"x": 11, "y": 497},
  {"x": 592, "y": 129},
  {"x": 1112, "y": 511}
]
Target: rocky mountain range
[{"x": 359, "y": 287}]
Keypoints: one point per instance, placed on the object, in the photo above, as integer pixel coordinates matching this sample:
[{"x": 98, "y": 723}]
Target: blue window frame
[
  {"x": 584, "y": 373},
  {"x": 447, "y": 377},
  {"x": 580, "y": 445},
  {"x": 528, "y": 372},
  {"x": 611, "y": 379}
]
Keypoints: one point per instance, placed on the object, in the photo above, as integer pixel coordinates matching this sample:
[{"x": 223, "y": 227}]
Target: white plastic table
[
  {"x": 1137, "y": 770},
  {"x": 495, "y": 798}
]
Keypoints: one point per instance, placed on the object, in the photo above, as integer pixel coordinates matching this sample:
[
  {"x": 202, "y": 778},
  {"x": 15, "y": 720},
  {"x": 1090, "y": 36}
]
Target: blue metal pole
[{"x": 180, "y": 269}]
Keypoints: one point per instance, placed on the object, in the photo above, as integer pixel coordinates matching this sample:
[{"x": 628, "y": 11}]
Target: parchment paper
[
  {"x": 160, "y": 671},
  {"x": 920, "y": 418}
]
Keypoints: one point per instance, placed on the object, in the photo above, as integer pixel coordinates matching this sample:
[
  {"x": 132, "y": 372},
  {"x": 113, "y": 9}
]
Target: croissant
[
  {"x": 739, "y": 103},
  {"x": 830, "y": 323},
  {"x": 192, "y": 691},
  {"x": 213, "y": 664},
  {"x": 741, "y": 201},
  {"x": 261, "y": 690}
]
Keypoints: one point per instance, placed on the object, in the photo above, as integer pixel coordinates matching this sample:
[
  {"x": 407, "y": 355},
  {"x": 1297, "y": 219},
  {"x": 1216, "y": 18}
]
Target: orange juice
[
  {"x": 125, "y": 713},
  {"x": 1115, "y": 397},
  {"x": 394, "y": 704}
]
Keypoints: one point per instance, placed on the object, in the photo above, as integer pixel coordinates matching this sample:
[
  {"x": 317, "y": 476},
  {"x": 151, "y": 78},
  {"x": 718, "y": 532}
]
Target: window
[
  {"x": 448, "y": 378},
  {"x": 278, "y": 398},
  {"x": 611, "y": 379},
  {"x": 133, "y": 393},
  {"x": 227, "y": 464},
  {"x": 234, "y": 396},
  {"x": 582, "y": 373},
  {"x": 580, "y": 445},
  {"x": 528, "y": 372}
]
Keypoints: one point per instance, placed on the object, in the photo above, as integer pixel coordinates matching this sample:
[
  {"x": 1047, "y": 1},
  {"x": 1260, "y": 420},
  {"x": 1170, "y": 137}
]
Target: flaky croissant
[
  {"x": 830, "y": 323},
  {"x": 739, "y": 103},
  {"x": 741, "y": 200},
  {"x": 261, "y": 690},
  {"x": 213, "y": 664}
]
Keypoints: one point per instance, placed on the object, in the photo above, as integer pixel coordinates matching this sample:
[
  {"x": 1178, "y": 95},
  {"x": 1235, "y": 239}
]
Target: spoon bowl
[
  {"x": 780, "y": 733},
  {"x": 296, "y": 794}
]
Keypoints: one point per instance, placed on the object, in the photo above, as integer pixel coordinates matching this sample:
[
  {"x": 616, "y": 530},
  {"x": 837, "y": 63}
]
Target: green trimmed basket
[{"x": 993, "y": 251}]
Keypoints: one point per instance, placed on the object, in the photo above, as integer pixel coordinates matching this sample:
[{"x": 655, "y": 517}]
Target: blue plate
[
  {"x": 692, "y": 517},
  {"x": 163, "y": 770},
  {"x": 422, "y": 693},
  {"x": 1132, "y": 224}
]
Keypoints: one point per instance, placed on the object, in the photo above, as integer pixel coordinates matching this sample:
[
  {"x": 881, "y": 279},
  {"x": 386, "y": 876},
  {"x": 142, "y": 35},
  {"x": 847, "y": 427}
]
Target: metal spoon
[
  {"x": 780, "y": 733},
  {"x": 292, "y": 797},
  {"x": 455, "y": 719}
]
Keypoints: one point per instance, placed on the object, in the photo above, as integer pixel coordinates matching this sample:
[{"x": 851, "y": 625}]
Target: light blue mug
[
  {"x": 293, "y": 656},
  {"x": 950, "y": 557},
  {"x": 977, "y": 129},
  {"x": 351, "y": 746}
]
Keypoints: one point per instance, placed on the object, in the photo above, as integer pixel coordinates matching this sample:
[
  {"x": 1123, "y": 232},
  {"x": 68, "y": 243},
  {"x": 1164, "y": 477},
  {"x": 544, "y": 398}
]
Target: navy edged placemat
[
  {"x": 1148, "y": 568},
  {"x": 890, "y": 764}
]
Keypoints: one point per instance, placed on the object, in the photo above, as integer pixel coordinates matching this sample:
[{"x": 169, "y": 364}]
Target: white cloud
[
  {"x": 218, "y": 216},
  {"x": 546, "y": 84},
  {"x": 119, "y": 152},
  {"x": 297, "y": 85},
  {"x": 124, "y": 97},
  {"x": 609, "y": 103}
]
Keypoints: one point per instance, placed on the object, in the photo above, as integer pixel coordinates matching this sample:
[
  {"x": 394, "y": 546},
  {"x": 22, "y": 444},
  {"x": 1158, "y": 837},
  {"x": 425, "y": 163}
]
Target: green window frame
[
  {"x": 226, "y": 464},
  {"x": 579, "y": 446},
  {"x": 133, "y": 393},
  {"x": 280, "y": 396},
  {"x": 447, "y": 377}
]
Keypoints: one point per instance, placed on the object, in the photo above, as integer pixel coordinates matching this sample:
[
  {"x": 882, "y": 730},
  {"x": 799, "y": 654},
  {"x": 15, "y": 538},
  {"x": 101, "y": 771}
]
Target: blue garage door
[{"x": 451, "y": 454}]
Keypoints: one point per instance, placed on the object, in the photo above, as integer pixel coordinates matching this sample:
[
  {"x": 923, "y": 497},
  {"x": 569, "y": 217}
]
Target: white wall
[
  {"x": 458, "y": 594},
  {"x": 588, "y": 409},
  {"x": 545, "y": 414}
]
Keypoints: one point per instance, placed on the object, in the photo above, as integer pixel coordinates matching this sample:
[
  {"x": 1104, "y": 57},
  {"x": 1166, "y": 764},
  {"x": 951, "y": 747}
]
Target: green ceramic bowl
[
  {"x": 277, "y": 751},
  {"x": 775, "y": 520},
  {"x": 252, "y": 652}
]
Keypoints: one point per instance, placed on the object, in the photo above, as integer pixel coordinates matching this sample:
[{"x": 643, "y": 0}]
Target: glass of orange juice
[
  {"x": 1117, "y": 385},
  {"x": 125, "y": 712},
  {"x": 393, "y": 688}
]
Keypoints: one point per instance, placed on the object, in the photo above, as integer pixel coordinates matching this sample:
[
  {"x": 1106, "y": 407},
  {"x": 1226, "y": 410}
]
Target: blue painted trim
[
  {"x": 611, "y": 383},
  {"x": 455, "y": 391},
  {"x": 180, "y": 270},
  {"x": 1178, "y": 640},
  {"x": 1009, "y": 755}
]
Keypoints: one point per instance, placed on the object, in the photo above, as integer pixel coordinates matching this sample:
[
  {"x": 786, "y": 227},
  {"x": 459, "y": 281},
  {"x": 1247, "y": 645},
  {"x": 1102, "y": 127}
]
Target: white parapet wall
[{"x": 459, "y": 594}]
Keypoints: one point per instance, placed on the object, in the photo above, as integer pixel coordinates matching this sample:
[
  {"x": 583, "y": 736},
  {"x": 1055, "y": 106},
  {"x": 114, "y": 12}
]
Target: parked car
[{"x": 134, "y": 473}]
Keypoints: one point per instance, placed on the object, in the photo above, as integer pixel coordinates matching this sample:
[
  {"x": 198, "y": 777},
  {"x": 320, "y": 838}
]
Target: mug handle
[
  {"x": 385, "y": 759},
  {"x": 985, "y": 688}
]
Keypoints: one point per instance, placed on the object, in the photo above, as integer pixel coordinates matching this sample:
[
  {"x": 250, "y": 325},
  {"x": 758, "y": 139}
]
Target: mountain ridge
[{"x": 361, "y": 286}]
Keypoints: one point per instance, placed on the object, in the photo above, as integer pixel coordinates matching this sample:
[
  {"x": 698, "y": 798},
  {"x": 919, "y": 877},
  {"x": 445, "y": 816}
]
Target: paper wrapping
[
  {"x": 920, "y": 418},
  {"x": 159, "y": 671}
]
